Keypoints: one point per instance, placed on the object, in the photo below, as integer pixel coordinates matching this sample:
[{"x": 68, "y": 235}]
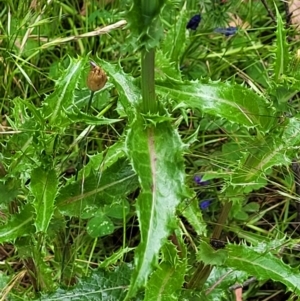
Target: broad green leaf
[
  {"x": 263, "y": 266},
  {"x": 232, "y": 102},
  {"x": 44, "y": 186},
  {"x": 64, "y": 91},
  {"x": 156, "y": 154},
  {"x": 84, "y": 198},
  {"x": 100, "y": 285},
  {"x": 19, "y": 225},
  {"x": 259, "y": 263},
  {"x": 166, "y": 282},
  {"x": 100, "y": 225}
]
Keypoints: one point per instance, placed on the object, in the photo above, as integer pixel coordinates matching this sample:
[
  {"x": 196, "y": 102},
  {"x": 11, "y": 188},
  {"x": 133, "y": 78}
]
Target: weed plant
[{"x": 142, "y": 158}]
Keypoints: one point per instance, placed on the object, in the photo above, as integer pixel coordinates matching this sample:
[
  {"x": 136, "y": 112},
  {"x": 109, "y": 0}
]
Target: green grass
[{"x": 99, "y": 202}]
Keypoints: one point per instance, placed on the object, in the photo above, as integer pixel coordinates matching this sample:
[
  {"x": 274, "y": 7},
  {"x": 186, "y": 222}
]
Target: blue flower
[
  {"x": 229, "y": 31},
  {"x": 194, "y": 22},
  {"x": 199, "y": 181},
  {"x": 205, "y": 204}
]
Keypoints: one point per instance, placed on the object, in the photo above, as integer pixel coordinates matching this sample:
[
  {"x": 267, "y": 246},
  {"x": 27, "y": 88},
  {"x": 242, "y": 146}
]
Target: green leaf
[
  {"x": 44, "y": 186},
  {"x": 9, "y": 191},
  {"x": 100, "y": 225},
  {"x": 263, "y": 266},
  {"x": 144, "y": 22},
  {"x": 130, "y": 94},
  {"x": 18, "y": 225},
  {"x": 210, "y": 256},
  {"x": 174, "y": 42},
  {"x": 221, "y": 292},
  {"x": 84, "y": 198},
  {"x": 77, "y": 116},
  {"x": 100, "y": 99},
  {"x": 282, "y": 49},
  {"x": 166, "y": 282},
  {"x": 64, "y": 91},
  {"x": 232, "y": 102},
  {"x": 101, "y": 286},
  {"x": 115, "y": 257},
  {"x": 36, "y": 113},
  {"x": 156, "y": 154},
  {"x": 165, "y": 68},
  {"x": 118, "y": 209},
  {"x": 275, "y": 150},
  {"x": 194, "y": 216},
  {"x": 105, "y": 159}
]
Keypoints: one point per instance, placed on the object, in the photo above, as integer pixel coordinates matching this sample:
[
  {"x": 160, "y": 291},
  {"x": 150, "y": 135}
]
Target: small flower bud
[{"x": 96, "y": 79}]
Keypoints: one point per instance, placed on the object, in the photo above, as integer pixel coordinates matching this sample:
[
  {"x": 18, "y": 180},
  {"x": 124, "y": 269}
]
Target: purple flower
[
  {"x": 198, "y": 180},
  {"x": 205, "y": 204},
  {"x": 194, "y": 22},
  {"x": 229, "y": 31}
]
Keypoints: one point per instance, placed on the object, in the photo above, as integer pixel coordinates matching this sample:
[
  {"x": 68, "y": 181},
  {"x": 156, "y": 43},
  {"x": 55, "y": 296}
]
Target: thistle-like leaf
[
  {"x": 19, "y": 225},
  {"x": 232, "y": 102},
  {"x": 100, "y": 285},
  {"x": 262, "y": 264},
  {"x": 166, "y": 282},
  {"x": 176, "y": 37},
  {"x": 84, "y": 198},
  {"x": 275, "y": 150},
  {"x": 156, "y": 154},
  {"x": 64, "y": 91},
  {"x": 130, "y": 94},
  {"x": 44, "y": 187}
]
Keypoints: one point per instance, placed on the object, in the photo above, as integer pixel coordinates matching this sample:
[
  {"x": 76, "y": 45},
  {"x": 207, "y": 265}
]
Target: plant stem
[
  {"x": 90, "y": 102},
  {"x": 149, "y": 8},
  {"x": 148, "y": 84}
]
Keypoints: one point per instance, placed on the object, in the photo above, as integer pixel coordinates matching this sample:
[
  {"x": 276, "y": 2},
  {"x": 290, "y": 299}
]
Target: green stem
[
  {"x": 148, "y": 84},
  {"x": 149, "y": 8},
  {"x": 90, "y": 102}
]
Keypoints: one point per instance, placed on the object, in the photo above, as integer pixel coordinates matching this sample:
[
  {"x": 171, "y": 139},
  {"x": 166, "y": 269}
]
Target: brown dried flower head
[{"x": 96, "y": 79}]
